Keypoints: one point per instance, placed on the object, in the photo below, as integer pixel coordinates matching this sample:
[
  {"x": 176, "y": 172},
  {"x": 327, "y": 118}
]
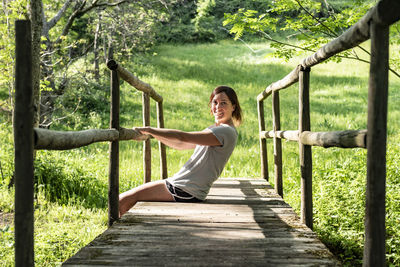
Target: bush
[
  {"x": 69, "y": 182},
  {"x": 201, "y": 21},
  {"x": 84, "y": 105},
  {"x": 177, "y": 26},
  {"x": 6, "y": 154}
]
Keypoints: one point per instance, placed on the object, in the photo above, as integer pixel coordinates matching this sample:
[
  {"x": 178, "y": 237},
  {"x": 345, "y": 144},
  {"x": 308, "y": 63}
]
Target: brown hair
[{"x": 237, "y": 113}]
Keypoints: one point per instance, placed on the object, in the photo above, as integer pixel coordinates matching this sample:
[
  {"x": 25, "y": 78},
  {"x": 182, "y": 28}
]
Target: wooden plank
[
  {"x": 217, "y": 232},
  {"x": 23, "y": 143}
]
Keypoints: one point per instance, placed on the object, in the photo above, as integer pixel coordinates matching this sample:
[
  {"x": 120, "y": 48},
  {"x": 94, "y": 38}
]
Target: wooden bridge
[{"x": 242, "y": 222}]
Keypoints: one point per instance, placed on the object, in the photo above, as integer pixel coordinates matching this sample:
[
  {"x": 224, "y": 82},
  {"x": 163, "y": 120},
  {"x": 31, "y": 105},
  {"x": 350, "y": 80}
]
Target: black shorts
[{"x": 180, "y": 195}]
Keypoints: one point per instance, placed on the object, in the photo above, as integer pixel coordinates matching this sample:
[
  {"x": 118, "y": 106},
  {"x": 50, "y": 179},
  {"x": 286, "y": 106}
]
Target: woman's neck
[{"x": 228, "y": 122}]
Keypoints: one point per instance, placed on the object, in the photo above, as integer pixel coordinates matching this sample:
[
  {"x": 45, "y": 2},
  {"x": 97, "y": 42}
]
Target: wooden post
[
  {"x": 146, "y": 144},
  {"x": 23, "y": 143},
  {"x": 277, "y": 144},
  {"x": 375, "y": 233},
  {"x": 263, "y": 141},
  {"x": 305, "y": 150},
  {"x": 113, "y": 177},
  {"x": 163, "y": 154}
]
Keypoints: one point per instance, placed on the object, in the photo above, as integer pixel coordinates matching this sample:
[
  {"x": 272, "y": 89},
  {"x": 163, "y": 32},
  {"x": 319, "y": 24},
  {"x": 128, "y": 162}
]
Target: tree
[
  {"x": 9, "y": 12},
  {"x": 307, "y": 25},
  {"x": 36, "y": 11},
  {"x": 65, "y": 31},
  {"x": 129, "y": 29},
  {"x": 53, "y": 45}
]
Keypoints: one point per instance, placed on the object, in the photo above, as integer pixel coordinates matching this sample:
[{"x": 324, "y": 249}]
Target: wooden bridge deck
[{"x": 243, "y": 222}]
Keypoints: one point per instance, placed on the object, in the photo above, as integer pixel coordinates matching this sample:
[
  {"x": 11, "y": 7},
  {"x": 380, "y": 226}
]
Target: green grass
[{"x": 72, "y": 185}]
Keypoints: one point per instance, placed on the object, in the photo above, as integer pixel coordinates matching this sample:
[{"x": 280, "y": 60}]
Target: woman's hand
[
  {"x": 142, "y": 130},
  {"x": 179, "y": 139}
]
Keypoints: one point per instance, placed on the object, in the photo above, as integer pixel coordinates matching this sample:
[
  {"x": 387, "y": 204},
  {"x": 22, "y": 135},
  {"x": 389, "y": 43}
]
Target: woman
[{"x": 213, "y": 147}]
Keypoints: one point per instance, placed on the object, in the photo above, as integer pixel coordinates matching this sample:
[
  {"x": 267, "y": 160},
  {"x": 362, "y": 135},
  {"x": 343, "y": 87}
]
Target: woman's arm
[{"x": 179, "y": 139}]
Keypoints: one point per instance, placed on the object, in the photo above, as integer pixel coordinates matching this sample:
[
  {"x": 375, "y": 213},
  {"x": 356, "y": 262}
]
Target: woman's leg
[{"x": 152, "y": 191}]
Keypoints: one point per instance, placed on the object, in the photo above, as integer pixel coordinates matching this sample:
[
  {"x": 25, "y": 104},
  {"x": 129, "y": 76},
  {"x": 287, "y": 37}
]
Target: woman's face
[{"x": 222, "y": 108}]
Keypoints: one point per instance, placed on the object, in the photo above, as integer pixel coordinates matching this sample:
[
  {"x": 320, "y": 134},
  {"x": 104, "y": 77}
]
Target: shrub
[{"x": 69, "y": 181}]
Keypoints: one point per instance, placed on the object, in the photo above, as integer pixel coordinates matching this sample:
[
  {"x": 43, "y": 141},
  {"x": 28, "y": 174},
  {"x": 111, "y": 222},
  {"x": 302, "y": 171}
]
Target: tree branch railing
[
  {"x": 375, "y": 26},
  {"x": 147, "y": 92},
  {"x": 27, "y": 139}
]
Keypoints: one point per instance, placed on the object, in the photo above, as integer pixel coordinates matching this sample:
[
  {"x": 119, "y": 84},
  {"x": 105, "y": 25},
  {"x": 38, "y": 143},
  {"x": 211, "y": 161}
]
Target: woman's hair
[{"x": 237, "y": 113}]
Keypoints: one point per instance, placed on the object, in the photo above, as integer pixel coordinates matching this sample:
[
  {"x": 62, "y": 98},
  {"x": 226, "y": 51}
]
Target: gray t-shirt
[{"x": 206, "y": 163}]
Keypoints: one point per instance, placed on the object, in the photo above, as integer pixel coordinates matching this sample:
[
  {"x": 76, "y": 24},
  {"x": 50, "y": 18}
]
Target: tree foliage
[
  {"x": 9, "y": 12},
  {"x": 309, "y": 24},
  {"x": 302, "y": 26},
  {"x": 79, "y": 33},
  {"x": 201, "y": 20}
]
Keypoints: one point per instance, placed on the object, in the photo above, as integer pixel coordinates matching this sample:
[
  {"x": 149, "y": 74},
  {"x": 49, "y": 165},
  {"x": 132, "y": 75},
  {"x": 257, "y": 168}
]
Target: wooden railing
[
  {"x": 27, "y": 139},
  {"x": 375, "y": 26},
  {"x": 147, "y": 92}
]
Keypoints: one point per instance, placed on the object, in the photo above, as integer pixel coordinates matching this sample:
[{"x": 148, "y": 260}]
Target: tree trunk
[
  {"x": 96, "y": 50},
  {"x": 48, "y": 96},
  {"x": 36, "y": 8}
]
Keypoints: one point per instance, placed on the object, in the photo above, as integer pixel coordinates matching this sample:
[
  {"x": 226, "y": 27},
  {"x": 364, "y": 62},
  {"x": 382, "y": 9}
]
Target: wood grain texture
[
  {"x": 162, "y": 147},
  {"x": 276, "y": 115},
  {"x": 243, "y": 222},
  {"x": 263, "y": 142},
  {"x": 375, "y": 211},
  {"x": 23, "y": 144},
  {"x": 305, "y": 152},
  {"x": 146, "y": 143},
  {"x": 133, "y": 80},
  {"x": 113, "y": 165},
  {"x": 343, "y": 139},
  {"x": 63, "y": 140}
]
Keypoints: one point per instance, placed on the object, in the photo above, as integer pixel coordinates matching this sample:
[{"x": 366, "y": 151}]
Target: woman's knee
[{"x": 153, "y": 191}]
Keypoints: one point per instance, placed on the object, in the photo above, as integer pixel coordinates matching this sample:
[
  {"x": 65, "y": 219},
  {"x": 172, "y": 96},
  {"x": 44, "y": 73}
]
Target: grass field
[{"x": 71, "y": 197}]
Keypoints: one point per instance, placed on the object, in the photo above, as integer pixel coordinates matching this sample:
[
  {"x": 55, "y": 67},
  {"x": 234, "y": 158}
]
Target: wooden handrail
[
  {"x": 63, "y": 140},
  {"x": 374, "y": 25},
  {"x": 288, "y": 80},
  {"x": 147, "y": 91},
  {"x": 342, "y": 139},
  {"x": 385, "y": 12},
  {"x": 133, "y": 80}
]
